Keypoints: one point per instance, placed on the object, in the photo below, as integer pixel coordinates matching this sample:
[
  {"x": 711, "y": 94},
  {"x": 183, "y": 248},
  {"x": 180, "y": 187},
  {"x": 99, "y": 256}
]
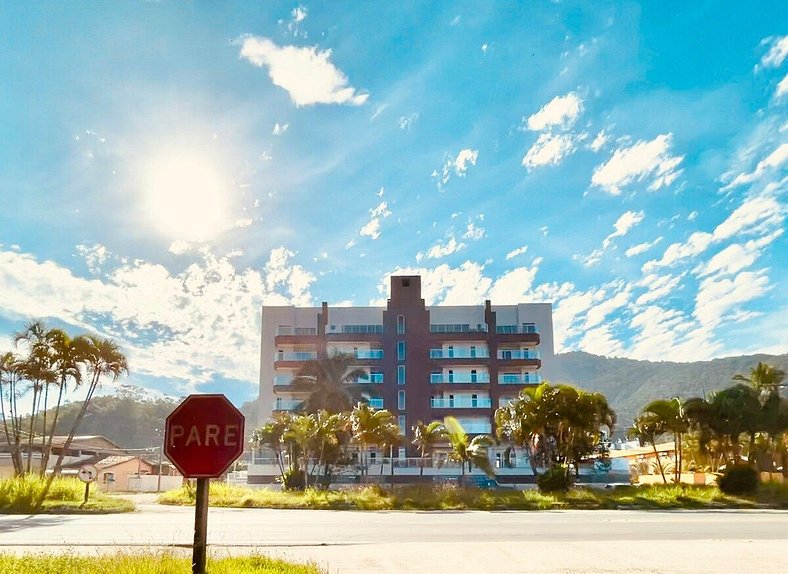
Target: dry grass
[{"x": 19, "y": 495}]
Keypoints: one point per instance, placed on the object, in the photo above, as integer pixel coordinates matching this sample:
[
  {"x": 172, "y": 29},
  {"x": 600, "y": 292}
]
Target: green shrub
[
  {"x": 555, "y": 480},
  {"x": 293, "y": 479},
  {"x": 739, "y": 479}
]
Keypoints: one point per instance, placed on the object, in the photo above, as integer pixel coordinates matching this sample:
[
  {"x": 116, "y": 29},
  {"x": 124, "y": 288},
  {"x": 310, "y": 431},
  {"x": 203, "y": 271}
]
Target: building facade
[{"x": 422, "y": 363}]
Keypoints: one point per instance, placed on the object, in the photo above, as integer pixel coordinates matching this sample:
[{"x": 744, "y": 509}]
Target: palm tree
[
  {"x": 272, "y": 435},
  {"x": 10, "y": 376},
  {"x": 425, "y": 437},
  {"x": 763, "y": 378},
  {"x": 671, "y": 413},
  {"x": 302, "y": 431},
  {"x": 365, "y": 426},
  {"x": 647, "y": 428},
  {"x": 466, "y": 450},
  {"x": 329, "y": 427},
  {"x": 330, "y": 382}
]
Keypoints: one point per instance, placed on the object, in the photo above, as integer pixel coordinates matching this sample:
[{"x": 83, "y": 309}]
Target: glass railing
[
  {"x": 283, "y": 380},
  {"x": 376, "y": 378},
  {"x": 287, "y": 404},
  {"x": 457, "y": 328},
  {"x": 461, "y": 403},
  {"x": 354, "y": 329},
  {"x": 296, "y": 356},
  {"x": 288, "y": 330},
  {"x": 510, "y": 329},
  {"x": 512, "y": 379},
  {"x": 370, "y": 354},
  {"x": 517, "y": 354},
  {"x": 438, "y": 378},
  {"x": 460, "y": 353},
  {"x": 376, "y": 403}
]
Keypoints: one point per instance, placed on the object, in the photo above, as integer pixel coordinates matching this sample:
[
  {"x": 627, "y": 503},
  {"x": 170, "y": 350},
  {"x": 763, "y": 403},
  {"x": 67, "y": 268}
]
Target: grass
[
  {"x": 19, "y": 495},
  {"x": 146, "y": 564},
  {"x": 452, "y": 497}
]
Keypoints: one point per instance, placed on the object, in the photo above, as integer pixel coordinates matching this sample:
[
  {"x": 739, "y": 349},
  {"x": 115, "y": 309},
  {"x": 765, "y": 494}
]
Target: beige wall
[{"x": 121, "y": 474}]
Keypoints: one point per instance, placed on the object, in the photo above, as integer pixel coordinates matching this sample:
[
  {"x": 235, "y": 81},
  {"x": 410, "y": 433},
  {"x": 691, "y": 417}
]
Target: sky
[{"x": 166, "y": 168}]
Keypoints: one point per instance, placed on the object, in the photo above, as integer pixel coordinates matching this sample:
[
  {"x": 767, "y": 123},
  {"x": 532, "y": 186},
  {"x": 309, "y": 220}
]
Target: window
[
  {"x": 401, "y": 400},
  {"x": 474, "y": 401},
  {"x": 400, "y": 324},
  {"x": 473, "y": 351},
  {"x": 400, "y": 350},
  {"x": 406, "y": 282},
  {"x": 451, "y": 376},
  {"x": 401, "y": 423},
  {"x": 474, "y": 376},
  {"x": 400, "y": 374},
  {"x": 109, "y": 477},
  {"x": 451, "y": 351}
]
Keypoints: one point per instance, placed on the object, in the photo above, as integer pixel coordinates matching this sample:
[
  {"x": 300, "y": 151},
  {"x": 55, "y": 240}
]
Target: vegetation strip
[
  {"x": 163, "y": 563},
  {"x": 22, "y": 495},
  {"x": 449, "y": 497}
]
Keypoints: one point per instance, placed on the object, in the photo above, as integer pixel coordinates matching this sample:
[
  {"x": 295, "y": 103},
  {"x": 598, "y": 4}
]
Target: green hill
[{"x": 629, "y": 384}]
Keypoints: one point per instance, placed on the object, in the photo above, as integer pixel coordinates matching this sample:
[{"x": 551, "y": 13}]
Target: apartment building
[{"x": 422, "y": 363}]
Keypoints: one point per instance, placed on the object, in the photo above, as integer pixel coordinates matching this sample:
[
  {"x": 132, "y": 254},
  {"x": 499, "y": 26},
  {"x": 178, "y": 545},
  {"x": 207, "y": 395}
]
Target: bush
[
  {"x": 554, "y": 480},
  {"x": 293, "y": 479},
  {"x": 740, "y": 479}
]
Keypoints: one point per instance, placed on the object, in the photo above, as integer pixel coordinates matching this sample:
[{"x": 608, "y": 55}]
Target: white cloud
[
  {"x": 515, "y": 252},
  {"x": 441, "y": 249},
  {"x": 307, "y": 74},
  {"x": 773, "y": 161},
  {"x": 95, "y": 256},
  {"x": 514, "y": 286},
  {"x": 737, "y": 256},
  {"x": 718, "y": 297},
  {"x": 756, "y": 214},
  {"x": 406, "y": 122},
  {"x": 458, "y": 165},
  {"x": 560, "y": 112},
  {"x": 179, "y": 247},
  {"x": 472, "y": 231},
  {"x": 244, "y": 222},
  {"x": 782, "y": 88},
  {"x": 644, "y": 159},
  {"x": 641, "y": 247},
  {"x": 623, "y": 225},
  {"x": 692, "y": 216},
  {"x": 658, "y": 287},
  {"x": 549, "y": 149},
  {"x": 599, "y": 141},
  {"x": 777, "y": 53},
  {"x": 372, "y": 228},
  {"x": 695, "y": 244},
  {"x": 279, "y": 129}
]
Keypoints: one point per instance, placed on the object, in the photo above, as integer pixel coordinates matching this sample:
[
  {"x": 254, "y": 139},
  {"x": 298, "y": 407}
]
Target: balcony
[
  {"x": 461, "y": 403},
  {"x": 354, "y": 329},
  {"x": 526, "y": 379},
  {"x": 370, "y": 354},
  {"x": 288, "y": 330},
  {"x": 287, "y": 404},
  {"x": 525, "y": 328},
  {"x": 517, "y": 354},
  {"x": 480, "y": 353},
  {"x": 283, "y": 380},
  {"x": 460, "y": 378},
  {"x": 457, "y": 328},
  {"x": 375, "y": 403},
  {"x": 372, "y": 378},
  {"x": 295, "y": 356}
]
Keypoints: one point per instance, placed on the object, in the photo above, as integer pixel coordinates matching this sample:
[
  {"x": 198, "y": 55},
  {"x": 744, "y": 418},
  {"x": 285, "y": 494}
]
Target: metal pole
[
  {"x": 161, "y": 448},
  {"x": 200, "y": 526}
]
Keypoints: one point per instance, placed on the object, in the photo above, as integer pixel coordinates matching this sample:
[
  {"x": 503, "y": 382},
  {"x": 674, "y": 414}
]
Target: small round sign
[{"x": 87, "y": 473}]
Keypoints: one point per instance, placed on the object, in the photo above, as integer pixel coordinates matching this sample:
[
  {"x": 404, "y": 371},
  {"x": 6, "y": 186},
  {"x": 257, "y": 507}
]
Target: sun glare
[{"x": 187, "y": 198}]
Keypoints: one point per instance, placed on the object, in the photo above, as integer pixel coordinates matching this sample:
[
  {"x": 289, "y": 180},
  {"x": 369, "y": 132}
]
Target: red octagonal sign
[{"x": 204, "y": 435}]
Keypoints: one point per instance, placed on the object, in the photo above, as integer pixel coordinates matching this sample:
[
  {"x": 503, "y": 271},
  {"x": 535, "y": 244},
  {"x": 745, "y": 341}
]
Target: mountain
[{"x": 629, "y": 384}]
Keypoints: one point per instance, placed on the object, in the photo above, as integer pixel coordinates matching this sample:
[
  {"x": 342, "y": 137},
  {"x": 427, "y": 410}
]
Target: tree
[
  {"x": 365, "y": 426},
  {"x": 330, "y": 382},
  {"x": 670, "y": 412},
  {"x": 10, "y": 377},
  {"x": 764, "y": 378},
  {"x": 466, "y": 450},
  {"x": 426, "y": 437},
  {"x": 302, "y": 431},
  {"x": 272, "y": 435},
  {"x": 647, "y": 428}
]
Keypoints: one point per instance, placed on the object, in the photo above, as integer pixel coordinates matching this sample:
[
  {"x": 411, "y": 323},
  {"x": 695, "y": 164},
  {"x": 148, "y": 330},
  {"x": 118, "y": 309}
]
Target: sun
[{"x": 187, "y": 197}]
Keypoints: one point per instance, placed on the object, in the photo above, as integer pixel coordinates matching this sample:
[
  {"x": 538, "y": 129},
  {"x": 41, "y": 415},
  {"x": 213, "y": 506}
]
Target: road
[{"x": 437, "y": 542}]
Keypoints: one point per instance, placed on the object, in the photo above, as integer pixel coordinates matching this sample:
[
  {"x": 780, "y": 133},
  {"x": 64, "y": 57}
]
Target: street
[{"x": 456, "y": 542}]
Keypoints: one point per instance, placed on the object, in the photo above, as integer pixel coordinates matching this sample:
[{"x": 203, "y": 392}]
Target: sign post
[
  {"x": 87, "y": 474},
  {"x": 203, "y": 436}
]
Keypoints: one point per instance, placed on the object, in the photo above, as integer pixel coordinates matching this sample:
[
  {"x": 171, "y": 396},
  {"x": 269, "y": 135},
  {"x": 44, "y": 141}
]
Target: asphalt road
[{"x": 456, "y": 542}]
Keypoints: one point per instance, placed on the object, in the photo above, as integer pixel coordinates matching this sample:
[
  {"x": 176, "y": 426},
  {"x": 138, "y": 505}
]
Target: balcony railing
[
  {"x": 280, "y": 380},
  {"x": 480, "y": 353},
  {"x": 457, "y": 328},
  {"x": 461, "y": 403},
  {"x": 438, "y": 378},
  {"x": 376, "y": 403},
  {"x": 373, "y": 378},
  {"x": 287, "y": 404},
  {"x": 525, "y": 328},
  {"x": 512, "y": 379},
  {"x": 354, "y": 329},
  {"x": 370, "y": 354},
  {"x": 288, "y": 330},
  {"x": 295, "y": 356},
  {"x": 517, "y": 354}
]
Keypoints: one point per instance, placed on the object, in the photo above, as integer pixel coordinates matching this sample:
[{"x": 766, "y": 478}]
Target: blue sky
[{"x": 168, "y": 167}]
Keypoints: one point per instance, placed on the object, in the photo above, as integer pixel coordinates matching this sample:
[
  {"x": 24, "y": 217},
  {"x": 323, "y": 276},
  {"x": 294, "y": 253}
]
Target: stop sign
[{"x": 204, "y": 435}]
